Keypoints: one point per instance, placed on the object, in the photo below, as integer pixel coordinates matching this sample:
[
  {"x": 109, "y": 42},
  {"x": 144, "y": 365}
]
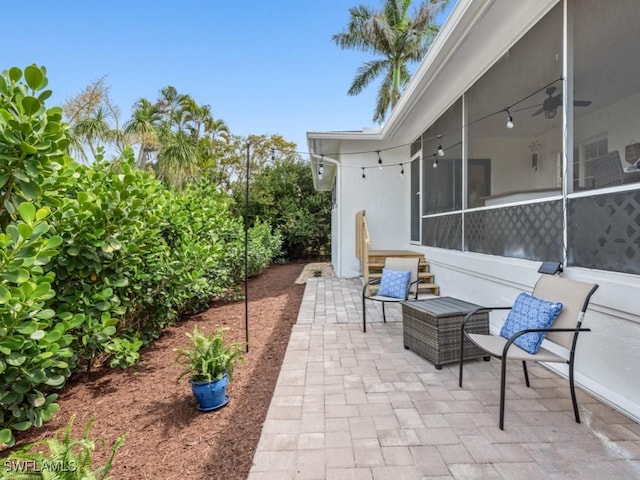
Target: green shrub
[
  {"x": 35, "y": 352},
  {"x": 32, "y": 140},
  {"x": 283, "y": 196},
  {"x": 264, "y": 247},
  {"x": 113, "y": 259},
  {"x": 95, "y": 261},
  {"x": 204, "y": 239}
]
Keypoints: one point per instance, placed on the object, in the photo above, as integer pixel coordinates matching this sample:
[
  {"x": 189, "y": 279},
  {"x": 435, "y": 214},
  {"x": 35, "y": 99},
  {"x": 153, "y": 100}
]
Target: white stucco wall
[{"x": 384, "y": 195}]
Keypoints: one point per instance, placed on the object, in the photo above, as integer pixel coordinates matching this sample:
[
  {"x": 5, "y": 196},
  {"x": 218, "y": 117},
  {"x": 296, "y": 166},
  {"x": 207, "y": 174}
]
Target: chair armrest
[
  {"x": 513, "y": 337},
  {"x": 416, "y": 282},
  {"x": 373, "y": 281}
]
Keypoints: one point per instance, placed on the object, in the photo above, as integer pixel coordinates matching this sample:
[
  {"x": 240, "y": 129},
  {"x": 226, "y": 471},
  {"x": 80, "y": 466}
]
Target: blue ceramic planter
[{"x": 211, "y": 395}]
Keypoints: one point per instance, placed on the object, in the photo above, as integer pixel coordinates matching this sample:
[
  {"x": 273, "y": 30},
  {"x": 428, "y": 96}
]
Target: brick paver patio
[{"x": 356, "y": 406}]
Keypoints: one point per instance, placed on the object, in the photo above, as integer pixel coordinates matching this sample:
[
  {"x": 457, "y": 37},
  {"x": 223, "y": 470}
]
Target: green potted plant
[{"x": 209, "y": 363}]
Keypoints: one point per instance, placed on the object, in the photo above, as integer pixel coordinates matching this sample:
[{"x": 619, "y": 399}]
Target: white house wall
[{"x": 384, "y": 195}]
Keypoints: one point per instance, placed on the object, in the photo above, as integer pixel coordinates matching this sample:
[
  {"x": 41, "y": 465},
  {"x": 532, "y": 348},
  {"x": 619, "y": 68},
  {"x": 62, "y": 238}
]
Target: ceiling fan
[{"x": 552, "y": 102}]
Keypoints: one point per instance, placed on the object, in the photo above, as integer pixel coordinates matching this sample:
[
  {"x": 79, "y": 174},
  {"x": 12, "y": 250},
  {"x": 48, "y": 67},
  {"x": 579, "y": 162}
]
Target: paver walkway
[{"x": 356, "y": 406}]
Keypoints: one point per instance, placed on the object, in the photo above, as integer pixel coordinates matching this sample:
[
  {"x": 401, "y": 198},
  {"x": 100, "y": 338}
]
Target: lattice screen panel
[
  {"x": 532, "y": 231},
  {"x": 604, "y": 232},
  {"x": 443, "y": 231}
]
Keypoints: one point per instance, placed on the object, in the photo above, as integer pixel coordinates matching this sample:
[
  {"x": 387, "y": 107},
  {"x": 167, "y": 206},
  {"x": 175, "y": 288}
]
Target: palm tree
[
  {"x": 93, "y": 121},
  {"x": 171, "y": 102},
  {"x": 170, "y": 133},
  {"x": 178, "y": 160},
  {"x": 395, "y": 36},
  {"x": 217, "y": 128},
  {"x": 142, "y": 128},
  {"x": 93, "y": 128}
]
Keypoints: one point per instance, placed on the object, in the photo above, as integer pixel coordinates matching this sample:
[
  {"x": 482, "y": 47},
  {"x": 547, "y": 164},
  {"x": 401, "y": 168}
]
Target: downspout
[{"x": 338, "y": 176}]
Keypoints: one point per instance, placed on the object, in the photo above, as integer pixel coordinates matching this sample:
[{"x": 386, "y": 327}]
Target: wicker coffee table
[{"x": 431, "y": 328}]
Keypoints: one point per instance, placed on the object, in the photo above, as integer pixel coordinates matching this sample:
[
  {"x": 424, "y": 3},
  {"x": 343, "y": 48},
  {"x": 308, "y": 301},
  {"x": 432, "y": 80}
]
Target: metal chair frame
[
  {"x": 511, "y": 351},
  {"x": 394, "y": 264}
]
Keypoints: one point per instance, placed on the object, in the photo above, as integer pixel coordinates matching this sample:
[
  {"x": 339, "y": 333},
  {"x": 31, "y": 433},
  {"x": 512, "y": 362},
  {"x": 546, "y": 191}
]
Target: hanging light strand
[{"x": 440, "y": 149}]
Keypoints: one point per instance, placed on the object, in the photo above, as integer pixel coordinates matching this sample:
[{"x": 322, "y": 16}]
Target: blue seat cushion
[
  {"x": 530, "y": 312},
  {"x": 394, "y": 283}
]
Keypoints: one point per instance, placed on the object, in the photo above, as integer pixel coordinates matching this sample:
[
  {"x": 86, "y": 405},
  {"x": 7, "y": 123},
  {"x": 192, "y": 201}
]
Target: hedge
[{"x": 95, "y": 261}]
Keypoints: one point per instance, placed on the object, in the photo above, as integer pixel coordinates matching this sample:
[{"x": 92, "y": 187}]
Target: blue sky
[{"x": 265, "y": 67}]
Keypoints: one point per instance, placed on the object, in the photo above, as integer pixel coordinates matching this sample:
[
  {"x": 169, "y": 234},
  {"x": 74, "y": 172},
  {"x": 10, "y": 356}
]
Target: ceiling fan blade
[
  {"x": 576, "y": 103},
  {"x": 538, "y": 112}
]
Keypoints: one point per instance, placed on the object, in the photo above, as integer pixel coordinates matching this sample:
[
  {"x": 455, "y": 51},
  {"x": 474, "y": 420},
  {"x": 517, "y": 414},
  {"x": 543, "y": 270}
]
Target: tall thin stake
[{"x": 246, "y": 255}]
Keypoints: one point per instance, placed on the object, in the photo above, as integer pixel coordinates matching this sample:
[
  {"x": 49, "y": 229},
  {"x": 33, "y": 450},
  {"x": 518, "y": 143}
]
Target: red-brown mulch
[{"x": 167, "y": 437}]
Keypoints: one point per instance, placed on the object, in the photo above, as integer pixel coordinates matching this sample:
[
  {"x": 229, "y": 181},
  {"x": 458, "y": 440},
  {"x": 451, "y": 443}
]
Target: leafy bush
[
  {"x": 283, "y": 196},
  {"x": 32, "y": 140},
  {"x": 35, "y": 353},
  {"x": 205, "y": 243},
  {"x": 264, "y": 246},
  {"x": 113, "y": 258},
  {"x": 95, "y": 260}
]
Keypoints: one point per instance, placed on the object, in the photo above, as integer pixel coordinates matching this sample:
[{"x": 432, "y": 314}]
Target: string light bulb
[
  {"x": 435, "y": 163},
  {"x": 379, "y": 160},
  {"x": 401, "y": 170},
  {"x": 440, "y": 151},
  {"x": 509, "y": 120},
  {"x": 364, "y": 177}
]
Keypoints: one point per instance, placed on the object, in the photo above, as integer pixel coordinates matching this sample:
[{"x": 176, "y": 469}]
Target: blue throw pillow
[
  {"x": 530, "y": 312},
  {"x": 394, "y": 283}
]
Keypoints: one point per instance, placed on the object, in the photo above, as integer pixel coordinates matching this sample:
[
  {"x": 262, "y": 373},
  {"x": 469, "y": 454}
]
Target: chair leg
[
  {"x": 364, "y": 316},
  {"x": 503, "y": 384},
  {"x": 384, "y": 317},
  {"x": 573, "y": 393},
  {"x": 526, "y": 373}
]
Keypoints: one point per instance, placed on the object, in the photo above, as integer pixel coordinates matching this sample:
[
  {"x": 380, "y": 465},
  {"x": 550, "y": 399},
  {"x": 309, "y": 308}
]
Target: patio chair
[
  {"x": 607, "y": 171},
  {"x": 394, "y": 286},
  {"x": 532, "y": 327}
]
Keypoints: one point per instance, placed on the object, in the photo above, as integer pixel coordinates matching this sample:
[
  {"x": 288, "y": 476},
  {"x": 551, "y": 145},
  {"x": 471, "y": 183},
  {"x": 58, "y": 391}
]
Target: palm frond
[
  {"x": 396, "y": 36},
  {"x": 384, "y": 98},
  {"x": 366, "y": 73}
]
